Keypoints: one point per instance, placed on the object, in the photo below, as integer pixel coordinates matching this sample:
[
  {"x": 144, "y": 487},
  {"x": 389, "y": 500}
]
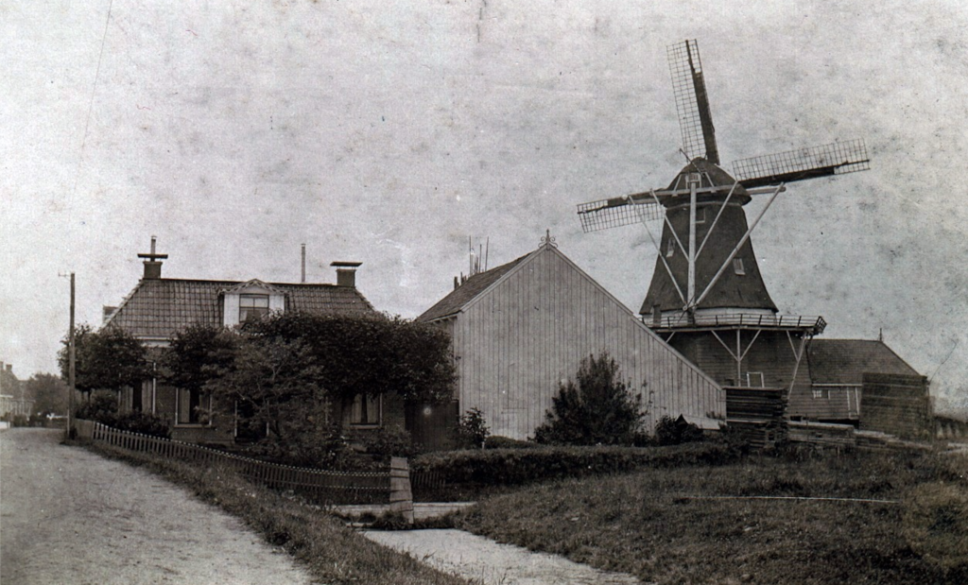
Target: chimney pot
[{"x": 346, "y": 273}]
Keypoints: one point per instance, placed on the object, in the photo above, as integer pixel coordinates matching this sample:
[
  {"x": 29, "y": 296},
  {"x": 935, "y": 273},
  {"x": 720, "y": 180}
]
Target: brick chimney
[
  {"x": 346, "y": 273},
  {"x": 152, "y": 264}
]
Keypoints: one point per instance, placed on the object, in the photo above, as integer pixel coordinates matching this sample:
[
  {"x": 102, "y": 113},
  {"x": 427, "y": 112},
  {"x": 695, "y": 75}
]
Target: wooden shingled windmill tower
[{"x": 707, "y": 296}]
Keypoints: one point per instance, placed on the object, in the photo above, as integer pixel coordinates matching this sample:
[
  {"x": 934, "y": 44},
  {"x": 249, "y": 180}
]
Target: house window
[
  {"x": 253, "y": 307},
  {"x": 366, "y": 410},
  {"x": 820, "y": 393},
  {"x": 738, "y": 267},
  {"x": 755, "y": 380},
  {"x": 192, "y": 407}
]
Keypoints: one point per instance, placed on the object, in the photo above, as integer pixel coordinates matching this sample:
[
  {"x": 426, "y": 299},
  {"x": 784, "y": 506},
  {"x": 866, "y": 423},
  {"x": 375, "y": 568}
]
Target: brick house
[{"x": 159, "y": 307}]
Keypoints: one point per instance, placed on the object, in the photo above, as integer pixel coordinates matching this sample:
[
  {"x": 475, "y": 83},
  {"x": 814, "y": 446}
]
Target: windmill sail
[
  {"x": 618, "y": 211},
  {"x": 836, "y": 158},
  {"x": 692, "y": 102}
]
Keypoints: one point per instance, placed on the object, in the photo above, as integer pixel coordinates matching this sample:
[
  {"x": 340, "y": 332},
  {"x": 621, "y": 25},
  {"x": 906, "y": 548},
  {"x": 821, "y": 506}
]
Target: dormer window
[
  {"x": 251, "y": 301},
  {"x": 253, "y": 307}
]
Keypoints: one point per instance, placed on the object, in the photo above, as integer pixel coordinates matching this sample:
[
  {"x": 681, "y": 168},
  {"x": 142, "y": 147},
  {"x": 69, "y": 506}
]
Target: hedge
[{"x": 436, "y": 472}]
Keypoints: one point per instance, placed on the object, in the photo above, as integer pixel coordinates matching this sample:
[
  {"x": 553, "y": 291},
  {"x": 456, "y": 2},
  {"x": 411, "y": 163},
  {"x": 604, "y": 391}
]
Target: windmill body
[{"x": 740, "y": 288}]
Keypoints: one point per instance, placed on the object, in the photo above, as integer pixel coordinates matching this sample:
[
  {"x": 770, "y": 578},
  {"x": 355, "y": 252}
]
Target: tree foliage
[
  {"x": 281, "y": 375},
  {"x": 596, "y": 408},
  {"x": 106, "y": 359},
  {"x": 369, "y": 354},
  {"x": 48, "y": 392},
  {"x": 199, "y": 355}
]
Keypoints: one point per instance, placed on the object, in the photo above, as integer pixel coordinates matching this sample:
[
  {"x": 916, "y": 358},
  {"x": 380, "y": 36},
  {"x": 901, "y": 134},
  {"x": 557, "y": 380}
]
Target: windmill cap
[{"x": 711, "y": 175}]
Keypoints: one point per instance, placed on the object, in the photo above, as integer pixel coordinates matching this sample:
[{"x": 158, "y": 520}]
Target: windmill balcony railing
[{"x": 742, "y": 320}]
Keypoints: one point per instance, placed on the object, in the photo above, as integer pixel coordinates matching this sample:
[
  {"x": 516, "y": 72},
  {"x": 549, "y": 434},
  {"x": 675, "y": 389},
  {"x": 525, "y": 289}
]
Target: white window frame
[
  {"x": 356, "y": 411},
  {"x": 245, "y": 308}
]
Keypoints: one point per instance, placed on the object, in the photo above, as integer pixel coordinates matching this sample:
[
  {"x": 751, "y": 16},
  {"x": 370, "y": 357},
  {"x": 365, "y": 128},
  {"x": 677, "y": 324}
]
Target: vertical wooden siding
[{"x": 521, "y": 339}]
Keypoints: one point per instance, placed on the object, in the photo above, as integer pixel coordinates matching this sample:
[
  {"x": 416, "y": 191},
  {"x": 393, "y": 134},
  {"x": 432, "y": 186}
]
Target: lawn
[{"x": 713, "y": 524}]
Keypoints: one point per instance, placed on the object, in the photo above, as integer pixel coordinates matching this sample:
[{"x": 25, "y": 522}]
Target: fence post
[{"x": 401, "y": 496}]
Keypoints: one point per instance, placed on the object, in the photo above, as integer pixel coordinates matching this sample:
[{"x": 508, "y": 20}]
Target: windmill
[{"x": 706, "y": 288}]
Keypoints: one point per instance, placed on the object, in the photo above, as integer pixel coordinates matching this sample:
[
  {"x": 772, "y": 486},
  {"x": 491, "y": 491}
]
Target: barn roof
[
  {"x": 845, "y": 361},
  {"x": 158, "y": 307},
  {"x": 467, "y": 292}
]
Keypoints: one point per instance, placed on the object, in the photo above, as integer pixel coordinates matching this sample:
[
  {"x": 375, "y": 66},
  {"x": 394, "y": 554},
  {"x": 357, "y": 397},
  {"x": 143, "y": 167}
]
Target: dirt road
[
  {"x": 484, "y": 561},
  {"x": 68, "y": 516}
]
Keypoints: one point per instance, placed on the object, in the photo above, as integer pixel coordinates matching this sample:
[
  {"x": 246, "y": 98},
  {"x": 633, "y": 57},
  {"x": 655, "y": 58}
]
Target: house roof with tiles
[
  {"x": 158, "y": 307},
  {"x": 845, "y": 361}
]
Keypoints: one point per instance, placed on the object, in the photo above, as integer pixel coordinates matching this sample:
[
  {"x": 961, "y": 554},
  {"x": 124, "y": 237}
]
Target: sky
[{"x": 391, "y": 133}]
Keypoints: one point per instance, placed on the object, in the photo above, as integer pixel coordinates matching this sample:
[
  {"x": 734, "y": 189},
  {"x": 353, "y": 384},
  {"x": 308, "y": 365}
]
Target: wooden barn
[
  {"x": 521, "y": 329},
  {"x": 836, "y": 370}
]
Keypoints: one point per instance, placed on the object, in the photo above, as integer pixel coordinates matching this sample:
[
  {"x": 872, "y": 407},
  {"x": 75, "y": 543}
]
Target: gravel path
[
  {"x": 68, "y": 516},
  {"x": 485, "y": 561}
]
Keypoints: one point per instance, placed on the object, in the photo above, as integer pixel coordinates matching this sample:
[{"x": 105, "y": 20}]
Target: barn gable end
[{"x": 517, "y": 338}]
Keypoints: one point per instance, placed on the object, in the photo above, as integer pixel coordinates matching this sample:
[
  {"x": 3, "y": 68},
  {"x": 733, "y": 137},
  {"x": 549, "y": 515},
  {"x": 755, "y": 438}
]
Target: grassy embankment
[
  {"x": 331, "y": 552},
  {"x": 657, "y": 524}
]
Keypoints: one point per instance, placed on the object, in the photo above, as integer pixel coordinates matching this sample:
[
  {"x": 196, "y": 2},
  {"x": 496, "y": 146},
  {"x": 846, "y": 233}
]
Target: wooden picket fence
[{"x": 321, "y": 486}]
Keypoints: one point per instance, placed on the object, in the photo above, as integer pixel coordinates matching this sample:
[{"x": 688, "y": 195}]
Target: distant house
[
  {"x": 13, "y": 403},
  {"x": 521, "y": 329},
  {"x": 159, "y": 307},
  {"x": 836, "y": 369}
]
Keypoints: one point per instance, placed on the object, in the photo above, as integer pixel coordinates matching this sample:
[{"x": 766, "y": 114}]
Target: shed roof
[
  {"x": 157, "y": 308},
  {"x": 845, "y": 361}
]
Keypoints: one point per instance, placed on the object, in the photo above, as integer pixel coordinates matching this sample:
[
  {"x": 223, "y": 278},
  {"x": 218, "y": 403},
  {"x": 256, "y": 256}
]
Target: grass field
[{"x": 670, "y": 525}]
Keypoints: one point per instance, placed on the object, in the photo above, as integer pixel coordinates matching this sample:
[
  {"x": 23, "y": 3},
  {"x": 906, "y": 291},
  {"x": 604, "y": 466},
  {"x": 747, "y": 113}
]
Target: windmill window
[
  {"x": 701, "y": 215},
  {"x": 671, "y": 248},
  {"x": 738, "y": 267},
  {"x": 252, "y": 307}
]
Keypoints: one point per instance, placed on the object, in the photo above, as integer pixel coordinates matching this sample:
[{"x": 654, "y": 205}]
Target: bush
[
  {"x": 388, "y": 442},
  {"x": 144, "y": 423},
  {"x": 509, "y": 443},
  {"x": 596, "y": 410},
  {"x": 669, "y": 431},
  {"x": 101, "y": 406},
  {"x": 471, "y": 431}
]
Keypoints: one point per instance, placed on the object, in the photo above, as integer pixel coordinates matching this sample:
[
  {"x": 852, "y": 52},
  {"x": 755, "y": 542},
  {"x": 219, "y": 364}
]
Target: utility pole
[{"x": 72, "y": 356}]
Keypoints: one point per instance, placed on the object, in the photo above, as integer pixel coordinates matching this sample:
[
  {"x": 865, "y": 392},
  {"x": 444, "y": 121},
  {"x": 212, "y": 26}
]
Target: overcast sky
[{"x": 388, "y": 133}]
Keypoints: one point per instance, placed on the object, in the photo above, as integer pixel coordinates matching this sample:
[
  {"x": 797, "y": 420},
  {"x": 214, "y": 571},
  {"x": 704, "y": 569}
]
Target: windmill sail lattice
[
  {"x": 836, "y": 158},
  {"x": 692, "y": 102}
]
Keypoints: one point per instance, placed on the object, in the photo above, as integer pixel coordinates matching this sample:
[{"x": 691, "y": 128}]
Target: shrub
[
  {"x": 101, "y": 406},
  {"x": 471, "y": 431},
  {"x": 387, "y": 442},
  {"x": 596, "y": 410},
  {"x": 669, "y": 431},
  {"x": 509, "y": 443},
  {"x": 144, "y": 423}
]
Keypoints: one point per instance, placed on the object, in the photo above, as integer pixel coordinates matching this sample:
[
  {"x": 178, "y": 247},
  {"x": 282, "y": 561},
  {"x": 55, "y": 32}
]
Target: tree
[
  {"x": 48, "y": 392},
  {"x": 272, "y": 384},
  {"x": 597, "y": 408},
  {"x": 369, "y": 354},
  {"x": 109, "y": 359},
  {"x": 196, "y": 357}
]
